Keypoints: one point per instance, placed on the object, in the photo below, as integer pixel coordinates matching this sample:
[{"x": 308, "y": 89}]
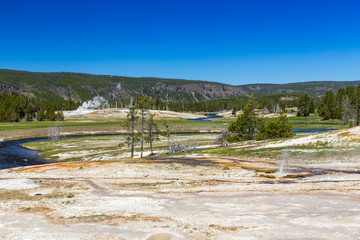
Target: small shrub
[
  {"x": 279, "y": 129},
  {"x": 178, "y": 147},
  {"x": 351, "y": 124},
  {"x": 261, "y": 136},
  {"x": 222, "y": 137},
  {"x": 71, "y": 195}
]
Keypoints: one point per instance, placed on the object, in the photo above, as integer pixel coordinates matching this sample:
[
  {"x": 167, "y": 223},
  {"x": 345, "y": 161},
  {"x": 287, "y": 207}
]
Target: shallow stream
[
  {"x": 12, "y": 154},
  {"x": 312, "y": 130}
]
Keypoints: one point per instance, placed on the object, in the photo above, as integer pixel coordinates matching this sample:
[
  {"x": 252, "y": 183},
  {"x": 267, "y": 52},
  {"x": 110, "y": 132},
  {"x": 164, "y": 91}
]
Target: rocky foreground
[{"x": 213, "y": 198}]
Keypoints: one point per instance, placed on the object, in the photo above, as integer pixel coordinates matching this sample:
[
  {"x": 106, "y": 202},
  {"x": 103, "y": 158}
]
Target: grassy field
[
  {"x": 294, "y": 154},
  {"x": 112, "y": 124},
  {"x": 309, "y": 122},
  {"x": 107, "y": 147}
]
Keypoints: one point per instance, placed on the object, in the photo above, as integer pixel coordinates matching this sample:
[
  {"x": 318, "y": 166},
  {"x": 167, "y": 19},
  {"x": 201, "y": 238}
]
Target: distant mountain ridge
[
  {"x": 59, "y": 86},
  {"x": 314, "y": 88}
]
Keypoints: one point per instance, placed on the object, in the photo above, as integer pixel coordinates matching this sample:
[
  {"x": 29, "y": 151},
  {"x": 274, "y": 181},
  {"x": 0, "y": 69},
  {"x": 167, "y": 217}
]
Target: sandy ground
[
  {"x": 340, "y": 138},
  {"x": 228, "y": 114},
  {"x": 123, "y": 200},
  {"x": 210, "y": 197},
  {"x": 121, "y": 113}
]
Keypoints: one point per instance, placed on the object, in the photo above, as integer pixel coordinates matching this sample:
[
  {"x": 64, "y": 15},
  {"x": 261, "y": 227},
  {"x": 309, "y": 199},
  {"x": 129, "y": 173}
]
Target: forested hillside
[
  {"x": 61, "y": 86},
  {"x": 315, "y": 89},
  {"x": 64, "y": 86},
  {"x": 15, "y": 107},
  {"x": 29, "y": 95}
]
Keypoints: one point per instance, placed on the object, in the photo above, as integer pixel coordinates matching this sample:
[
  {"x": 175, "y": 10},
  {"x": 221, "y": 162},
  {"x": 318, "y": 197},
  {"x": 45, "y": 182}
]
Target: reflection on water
[
  {"x": 312, "y": 130},
  {"x": 206, "y": 119},
  {"x": 212, "y": 116},
  {"x": 14, "y": 155}
]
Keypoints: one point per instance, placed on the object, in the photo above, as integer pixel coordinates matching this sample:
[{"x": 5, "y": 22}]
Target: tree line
[
  {"x": 271, "y": 104},
  {"x": 15, "y": 108},
  {"x": 343, "y": 105}
]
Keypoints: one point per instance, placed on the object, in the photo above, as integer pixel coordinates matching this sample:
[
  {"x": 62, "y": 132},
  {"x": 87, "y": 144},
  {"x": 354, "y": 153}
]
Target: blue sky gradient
[{"x": 234, "y": 42}]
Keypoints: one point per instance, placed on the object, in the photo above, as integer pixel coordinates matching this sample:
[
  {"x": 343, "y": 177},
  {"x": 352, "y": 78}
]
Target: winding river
[
  {"x": 312, "y": 130},
  {"x": 12, "y": 154}
]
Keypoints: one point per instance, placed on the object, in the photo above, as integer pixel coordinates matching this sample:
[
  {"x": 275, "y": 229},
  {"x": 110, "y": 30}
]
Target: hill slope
[
  {"x": 79, "y": 86},
  {"x": 312, "y": 88},
  {"x": 59, "y": 86}
]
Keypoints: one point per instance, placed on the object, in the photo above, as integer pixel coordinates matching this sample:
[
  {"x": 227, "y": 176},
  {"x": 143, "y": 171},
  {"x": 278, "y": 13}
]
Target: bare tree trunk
[
  {"x": 278, "y": 110},
  {"x": 142, "y": 132},
  {"x": 151, "y": 148},
  {"x": 168, "y": 137},
  {"x": 347, "y": 111},
  {"x": 132, "y": 132},
  {"x": 132, "y": 142},
  {"x": 150, "y": 137},
  {"x": 58, "y": 131}
]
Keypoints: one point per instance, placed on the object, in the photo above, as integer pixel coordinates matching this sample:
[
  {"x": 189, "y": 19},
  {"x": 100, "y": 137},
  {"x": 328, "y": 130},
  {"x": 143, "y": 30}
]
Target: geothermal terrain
[{"x": 304, "y": 187}]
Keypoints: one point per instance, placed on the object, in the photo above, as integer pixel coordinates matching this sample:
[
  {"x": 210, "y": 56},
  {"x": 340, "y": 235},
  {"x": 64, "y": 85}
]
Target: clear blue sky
[{"x": 235, "y": 42}]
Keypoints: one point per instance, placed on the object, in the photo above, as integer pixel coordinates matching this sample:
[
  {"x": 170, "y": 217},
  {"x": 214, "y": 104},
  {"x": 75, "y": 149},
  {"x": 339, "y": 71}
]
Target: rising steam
[
  {"x": 96, "y": 103},
  {"x": 91, "y": 106}
]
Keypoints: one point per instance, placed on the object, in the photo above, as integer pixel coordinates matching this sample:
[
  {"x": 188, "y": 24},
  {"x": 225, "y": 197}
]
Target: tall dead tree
[
  {"x": 166, "y": 134},
  {"x": 130, "y": 124},
  {"x": 152, "y": 132},
  {"x": 143, "y": 103},
  {"x": 347, "y": 110},
  {"x": 55, "y": 132}
]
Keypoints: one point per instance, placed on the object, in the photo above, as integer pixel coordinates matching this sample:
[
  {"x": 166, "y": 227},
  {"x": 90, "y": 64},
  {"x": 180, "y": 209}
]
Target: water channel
[
  {"x": 312, "y": 130},
  {"x": 12, "y": 154}
]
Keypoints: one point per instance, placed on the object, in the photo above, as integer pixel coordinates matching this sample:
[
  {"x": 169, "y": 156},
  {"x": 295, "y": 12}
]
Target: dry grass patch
[
  {"x": 8, "y": 195},
  {"x": 37, "y": 209},
  {"x": 111, "y": 218},
  {"x": 64, "y": 184},
  {"x": 57, "y": 184},
  {"x": 93, "y": 218},
  {"x": 142, "y": 184},
  {"x": 54, "y": 166},
  {"x": 226, "y": 229}
]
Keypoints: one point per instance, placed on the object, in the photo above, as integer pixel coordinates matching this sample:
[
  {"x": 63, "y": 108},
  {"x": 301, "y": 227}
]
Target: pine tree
[
  {"x": 312, "y": 106},
  {"x": 40, "y": 114},
  {"x": 130, "y": 124},
  {"x": 234, "y": 111},
  {"x": 328, "y": 106},
  {"x": 303, "y": 106},
  {"x": 280, "y": 128},
  {"x": 143, "y": 103},
  {"x": 166, "y": 134},
  {"x": 347, "y": 110},
  {"x": 246, "y": 124},
  {"x": 285, "y": 127},
  {"x": 152, "y": 132}
]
